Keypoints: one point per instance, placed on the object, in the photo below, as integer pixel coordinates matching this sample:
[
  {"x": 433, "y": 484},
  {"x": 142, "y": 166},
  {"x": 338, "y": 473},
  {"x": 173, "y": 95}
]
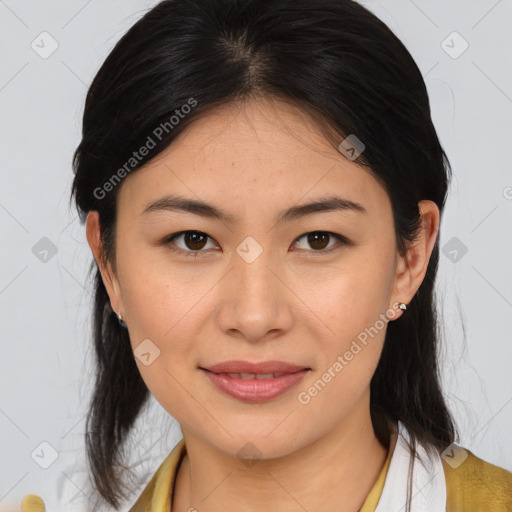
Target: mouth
[
  {"x": 247, "y": 376},
  {"x": 254, "y": 382},
  {"x": 249, "y": 368}
]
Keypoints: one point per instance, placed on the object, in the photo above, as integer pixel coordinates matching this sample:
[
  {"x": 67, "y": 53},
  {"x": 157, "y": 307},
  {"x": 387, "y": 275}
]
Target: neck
[{"x": 335, "y": 473}]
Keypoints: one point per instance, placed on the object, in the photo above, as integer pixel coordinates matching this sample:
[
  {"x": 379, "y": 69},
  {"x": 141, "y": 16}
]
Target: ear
[
  {"x": 110, "y": 280},
  {"x": 412, "y": 267}
]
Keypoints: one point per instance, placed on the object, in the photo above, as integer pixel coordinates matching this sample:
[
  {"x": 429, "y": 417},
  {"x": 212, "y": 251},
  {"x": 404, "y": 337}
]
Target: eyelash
[{"x": 194, "y": 254}]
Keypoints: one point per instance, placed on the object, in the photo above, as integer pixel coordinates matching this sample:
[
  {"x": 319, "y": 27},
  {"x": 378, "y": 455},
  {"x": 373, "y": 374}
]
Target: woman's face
[{"x": 259, "y": 285}]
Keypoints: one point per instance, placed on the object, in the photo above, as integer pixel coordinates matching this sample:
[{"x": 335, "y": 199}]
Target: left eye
[
  {"x": 317, "y": 240},
  {"x": 195, "y": 241}
]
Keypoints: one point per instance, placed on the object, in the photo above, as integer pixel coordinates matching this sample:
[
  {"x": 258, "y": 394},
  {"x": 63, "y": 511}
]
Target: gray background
[{"x": 45, "y": 363}]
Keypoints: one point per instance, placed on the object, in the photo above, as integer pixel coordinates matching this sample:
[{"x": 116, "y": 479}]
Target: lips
[
  {"x": 254, "y": 382},
  {"x": 276, "y": 368},
  {"x": 246, "y": 376}
]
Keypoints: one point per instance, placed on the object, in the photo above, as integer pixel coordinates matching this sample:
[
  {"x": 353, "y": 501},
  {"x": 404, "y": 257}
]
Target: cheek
[
  {"x": 161, "y": 309},
  {"x": 352, "y": 296},
  {"x": 352, "y": 306},
  {"x": 350, "y": 351},
  {"x": 155, "y": 295},
  {"x": 158, "y": 316}
]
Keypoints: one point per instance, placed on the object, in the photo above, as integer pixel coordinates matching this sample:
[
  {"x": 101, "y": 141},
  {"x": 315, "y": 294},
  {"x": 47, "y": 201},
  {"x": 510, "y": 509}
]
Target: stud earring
[
  {"x": 120, "y": 320},
  {"x": 402, "y": 306}
]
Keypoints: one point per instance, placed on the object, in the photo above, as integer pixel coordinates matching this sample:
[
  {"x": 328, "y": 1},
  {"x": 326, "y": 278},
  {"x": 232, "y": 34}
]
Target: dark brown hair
[{"x": 336, "y": 61}]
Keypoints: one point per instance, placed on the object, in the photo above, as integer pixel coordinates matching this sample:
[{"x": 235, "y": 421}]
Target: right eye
[{"x": 193, "y": 242}]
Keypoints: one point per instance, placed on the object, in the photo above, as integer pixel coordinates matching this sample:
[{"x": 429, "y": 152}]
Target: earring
[
  {"x": 402, "y": 306},
  {"x": 120, "y": 320}
]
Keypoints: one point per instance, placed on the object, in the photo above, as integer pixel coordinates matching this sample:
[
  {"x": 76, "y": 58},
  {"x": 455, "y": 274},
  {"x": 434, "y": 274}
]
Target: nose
[{"x": 255, "y": 299}]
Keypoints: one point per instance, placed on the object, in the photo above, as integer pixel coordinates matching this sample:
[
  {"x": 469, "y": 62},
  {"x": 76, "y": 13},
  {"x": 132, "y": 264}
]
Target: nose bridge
[
  {"x": 255, "y": 302},
  {"x": 252, "y": 267}
]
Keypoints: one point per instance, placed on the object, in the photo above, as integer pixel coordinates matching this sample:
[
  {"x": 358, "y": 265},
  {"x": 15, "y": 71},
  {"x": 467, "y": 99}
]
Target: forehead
[{"x": 257, "y": 153}]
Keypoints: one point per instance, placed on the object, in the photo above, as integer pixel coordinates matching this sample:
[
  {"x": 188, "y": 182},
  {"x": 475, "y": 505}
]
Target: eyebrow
[{"x": 198, "y": 207}]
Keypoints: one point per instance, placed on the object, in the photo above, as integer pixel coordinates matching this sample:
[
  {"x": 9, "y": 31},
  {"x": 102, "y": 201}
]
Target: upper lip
[{"x": 264, "y": 367}]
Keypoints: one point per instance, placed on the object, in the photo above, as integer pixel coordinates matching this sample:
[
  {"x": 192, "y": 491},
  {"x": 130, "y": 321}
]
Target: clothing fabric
[
  {"x": 428, "y": 483},
  {"x": 454, "y": 481}
]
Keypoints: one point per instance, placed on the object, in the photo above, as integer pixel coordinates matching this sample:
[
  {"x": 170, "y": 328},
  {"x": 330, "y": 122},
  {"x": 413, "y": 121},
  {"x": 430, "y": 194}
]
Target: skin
[{"x": 293, "y": 304}]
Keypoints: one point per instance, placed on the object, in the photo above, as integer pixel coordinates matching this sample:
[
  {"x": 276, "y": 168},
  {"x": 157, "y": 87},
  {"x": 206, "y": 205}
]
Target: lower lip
[{"x": 255, "y": 390}]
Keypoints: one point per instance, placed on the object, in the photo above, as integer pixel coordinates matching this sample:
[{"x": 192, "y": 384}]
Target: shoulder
[{"x": 474, "y": 485}]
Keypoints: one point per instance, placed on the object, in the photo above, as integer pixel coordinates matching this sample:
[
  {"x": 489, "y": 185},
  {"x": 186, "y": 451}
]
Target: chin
[{"x": 259, "y": 442}]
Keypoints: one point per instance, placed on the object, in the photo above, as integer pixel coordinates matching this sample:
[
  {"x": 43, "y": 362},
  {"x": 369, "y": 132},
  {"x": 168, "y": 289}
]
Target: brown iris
[
  {"x": 316, "y": 238},
  {"x": 194, "y": 240}
]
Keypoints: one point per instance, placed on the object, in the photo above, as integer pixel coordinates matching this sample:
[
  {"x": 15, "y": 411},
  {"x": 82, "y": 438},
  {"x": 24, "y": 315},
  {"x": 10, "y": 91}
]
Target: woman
[{"x": 263, "y": 188}]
